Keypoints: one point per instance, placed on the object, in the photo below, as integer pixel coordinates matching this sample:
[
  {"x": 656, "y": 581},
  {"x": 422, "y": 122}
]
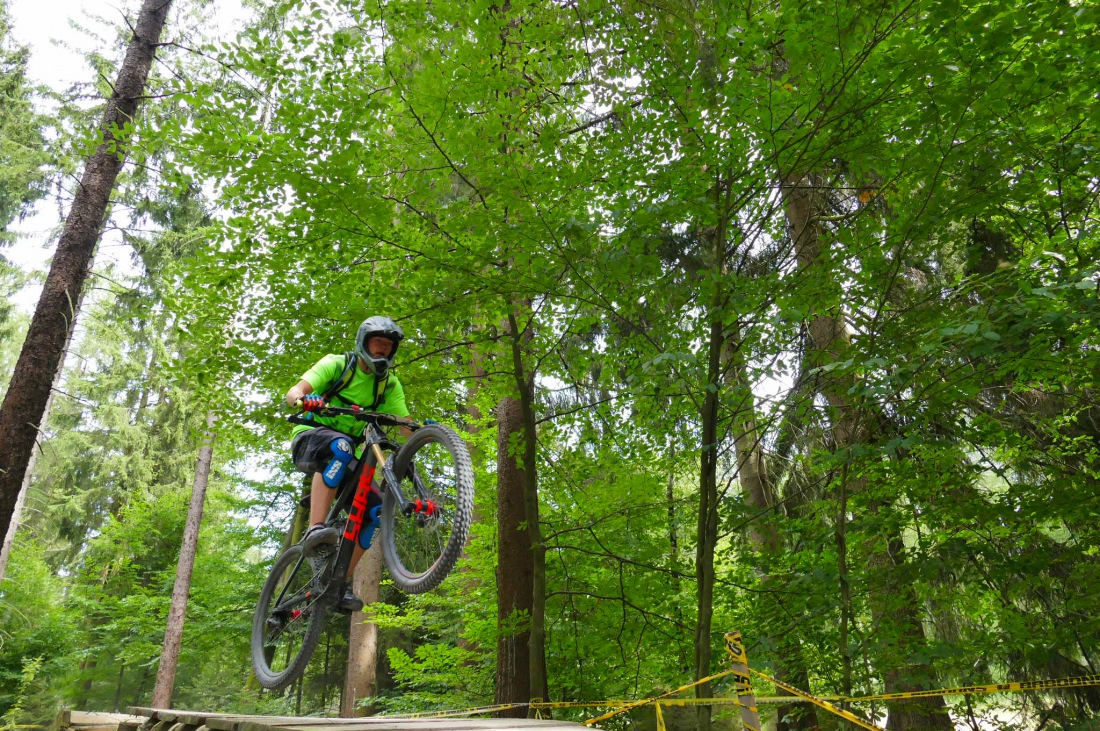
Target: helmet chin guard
[{"x": 378, "y": 326}]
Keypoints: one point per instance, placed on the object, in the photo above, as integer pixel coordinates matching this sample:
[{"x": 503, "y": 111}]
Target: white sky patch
[{"x": 57, "y": 62}]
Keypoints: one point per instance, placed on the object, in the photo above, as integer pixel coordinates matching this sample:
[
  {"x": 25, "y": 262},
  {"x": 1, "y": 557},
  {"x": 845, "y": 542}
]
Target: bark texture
[
  {"x": 707, "y": 527},
  {"x": 25, "y": 403},
  {"x": 173, "y": 636},
  {"x": 362, "y": 674},
  {"x": 525, "y": 385},
  {"x": 515, "y": 569},
  {"x": 17, "y": 512}
]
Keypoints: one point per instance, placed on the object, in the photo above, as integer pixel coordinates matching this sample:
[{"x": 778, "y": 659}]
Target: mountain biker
[{"x": 362, "y": 378}]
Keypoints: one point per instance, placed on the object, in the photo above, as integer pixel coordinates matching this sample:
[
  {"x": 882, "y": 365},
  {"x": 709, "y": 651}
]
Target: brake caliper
[{"x": 423, "y": 507}]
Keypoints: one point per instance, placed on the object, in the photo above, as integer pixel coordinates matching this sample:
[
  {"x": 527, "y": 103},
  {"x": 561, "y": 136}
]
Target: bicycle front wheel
[
  {"x": 288, "y": 621},
  {"x": 421, "y": 549}
]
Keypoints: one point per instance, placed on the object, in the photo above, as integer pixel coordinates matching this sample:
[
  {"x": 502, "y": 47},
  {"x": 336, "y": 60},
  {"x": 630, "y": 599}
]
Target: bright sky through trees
[{"x": 57, "y": 61}]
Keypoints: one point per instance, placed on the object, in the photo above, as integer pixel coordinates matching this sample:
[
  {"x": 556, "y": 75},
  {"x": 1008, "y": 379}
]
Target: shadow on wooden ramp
[{"x": 164, "y": 719}]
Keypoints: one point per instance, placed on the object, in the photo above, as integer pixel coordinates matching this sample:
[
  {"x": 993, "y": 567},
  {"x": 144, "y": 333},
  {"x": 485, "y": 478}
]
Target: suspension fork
[
  {"x": 421, "y": 506},
  {"x": 393, "y": 485}
]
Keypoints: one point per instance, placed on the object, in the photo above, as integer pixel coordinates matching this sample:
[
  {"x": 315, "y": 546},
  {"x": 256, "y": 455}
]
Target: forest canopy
[{"x": 770, "y": 317}]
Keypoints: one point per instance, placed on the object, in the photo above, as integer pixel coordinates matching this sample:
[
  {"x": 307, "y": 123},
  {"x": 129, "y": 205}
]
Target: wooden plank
[
  {"x": 174, "y": 716},
  {"x": 261, "y": 723},
  {"x": 237, "y": 723},
  {"x": 97, "y": 718},
  {"x": 230, "y": 722},
  {"x": 94, "y": 720},
  {"x": 382, "y": 723}
]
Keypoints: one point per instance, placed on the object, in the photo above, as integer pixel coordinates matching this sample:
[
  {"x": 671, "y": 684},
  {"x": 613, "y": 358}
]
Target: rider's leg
[
  {"x": 324, "y": 483},
  {"x": 356, "y": 556},
  {"x": 320, "y": 499}
]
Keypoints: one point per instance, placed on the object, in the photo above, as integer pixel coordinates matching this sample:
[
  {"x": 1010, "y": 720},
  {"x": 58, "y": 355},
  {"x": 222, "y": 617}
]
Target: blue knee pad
[
  {"x": 342, "y": 453},
  {"x": 366, "y": 533}
]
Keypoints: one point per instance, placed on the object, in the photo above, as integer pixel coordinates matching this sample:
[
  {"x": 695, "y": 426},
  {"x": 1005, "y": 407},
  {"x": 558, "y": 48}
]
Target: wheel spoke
[{"x": 421, "y": 549}]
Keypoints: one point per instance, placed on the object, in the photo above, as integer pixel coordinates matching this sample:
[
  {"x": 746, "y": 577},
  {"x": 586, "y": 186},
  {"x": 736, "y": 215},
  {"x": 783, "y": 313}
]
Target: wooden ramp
[
  {"x": 164, "y": 719},
  {"x": 95, "y": 721}
]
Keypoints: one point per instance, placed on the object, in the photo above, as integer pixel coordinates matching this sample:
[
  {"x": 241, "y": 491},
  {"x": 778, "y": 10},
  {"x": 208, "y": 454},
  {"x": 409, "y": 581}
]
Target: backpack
[{"x": 381, "y": 386}]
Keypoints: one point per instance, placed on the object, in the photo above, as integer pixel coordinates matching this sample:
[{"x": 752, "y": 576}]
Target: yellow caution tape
[
  {"x": 819, "y": 702},
  {"x": 1081, "y": 681},
  {"x": 584, "y": 704},
  {"x": 748, "y": 701},
  {"x": 647, "y": 701},
  {"x": 480, "y": 710}
]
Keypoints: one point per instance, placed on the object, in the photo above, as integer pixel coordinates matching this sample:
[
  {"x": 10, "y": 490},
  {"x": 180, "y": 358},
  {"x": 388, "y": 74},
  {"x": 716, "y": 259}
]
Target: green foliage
[
  {"x": 34, "y": 625},
  {"x": 23, "y": 153},
  {"x": 621, "y": 179},
  {"x": 585, "y": 163}
]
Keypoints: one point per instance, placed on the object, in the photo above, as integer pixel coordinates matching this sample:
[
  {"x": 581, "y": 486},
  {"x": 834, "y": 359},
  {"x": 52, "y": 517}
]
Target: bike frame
[{"x": 354, "y": 501}]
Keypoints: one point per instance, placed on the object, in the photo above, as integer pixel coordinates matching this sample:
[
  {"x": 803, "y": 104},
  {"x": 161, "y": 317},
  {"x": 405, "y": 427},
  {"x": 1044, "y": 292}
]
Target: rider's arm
[{"x": 297, "y": 392}]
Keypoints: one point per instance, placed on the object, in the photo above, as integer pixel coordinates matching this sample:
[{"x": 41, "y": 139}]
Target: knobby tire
[
  {"x": 443, "y": 537},
  {"x": 311, "y": 634}
]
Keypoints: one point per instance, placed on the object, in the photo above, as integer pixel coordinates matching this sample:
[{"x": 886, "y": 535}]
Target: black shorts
[{"x": 311, "y": 449}]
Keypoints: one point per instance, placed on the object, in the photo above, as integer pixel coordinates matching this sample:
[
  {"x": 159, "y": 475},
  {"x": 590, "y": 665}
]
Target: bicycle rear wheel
[
  {"x": 420, "y": 549},
  {"x": 288, "y": 621}
]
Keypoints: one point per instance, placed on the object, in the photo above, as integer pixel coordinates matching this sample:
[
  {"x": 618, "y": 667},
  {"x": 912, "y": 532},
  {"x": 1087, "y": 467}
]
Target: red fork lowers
[{"x": 427, "y": 507}]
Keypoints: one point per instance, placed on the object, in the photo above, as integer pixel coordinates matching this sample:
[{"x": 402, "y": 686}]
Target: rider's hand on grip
[{"x": 311, "y": 402}]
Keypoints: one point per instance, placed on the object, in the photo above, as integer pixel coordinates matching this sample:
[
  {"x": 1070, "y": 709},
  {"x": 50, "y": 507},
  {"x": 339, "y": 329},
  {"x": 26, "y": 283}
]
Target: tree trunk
[
  {"x": 670, "y": 502},
  {"x": 118, "y": 684},
  {"x": 895, "y": 608},
  {"x": 707, "y": 529},
  {"x": 17, "y": 511},
  {"x": 360, "y": 681},
  {"x": 169, "y": 658},
  {"x": 515, "y": 570},
  {"x": 24, "y": 405},
  {"x": 525, "y": 384},
  {"x": 922, "y": 714},
  {"x": 24, "y": 488}
]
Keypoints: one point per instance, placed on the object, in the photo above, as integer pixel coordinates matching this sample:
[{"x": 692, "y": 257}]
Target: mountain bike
[{"x": 427, "y": 487}]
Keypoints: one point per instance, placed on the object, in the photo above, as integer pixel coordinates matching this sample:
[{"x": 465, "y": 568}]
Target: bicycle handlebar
[{"x": 360, "y": 414}]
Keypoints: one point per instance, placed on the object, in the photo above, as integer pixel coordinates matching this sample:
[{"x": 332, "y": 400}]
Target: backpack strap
[
  {"x": 380, "y": 389},
  {"x": 344, "y": 379}
]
